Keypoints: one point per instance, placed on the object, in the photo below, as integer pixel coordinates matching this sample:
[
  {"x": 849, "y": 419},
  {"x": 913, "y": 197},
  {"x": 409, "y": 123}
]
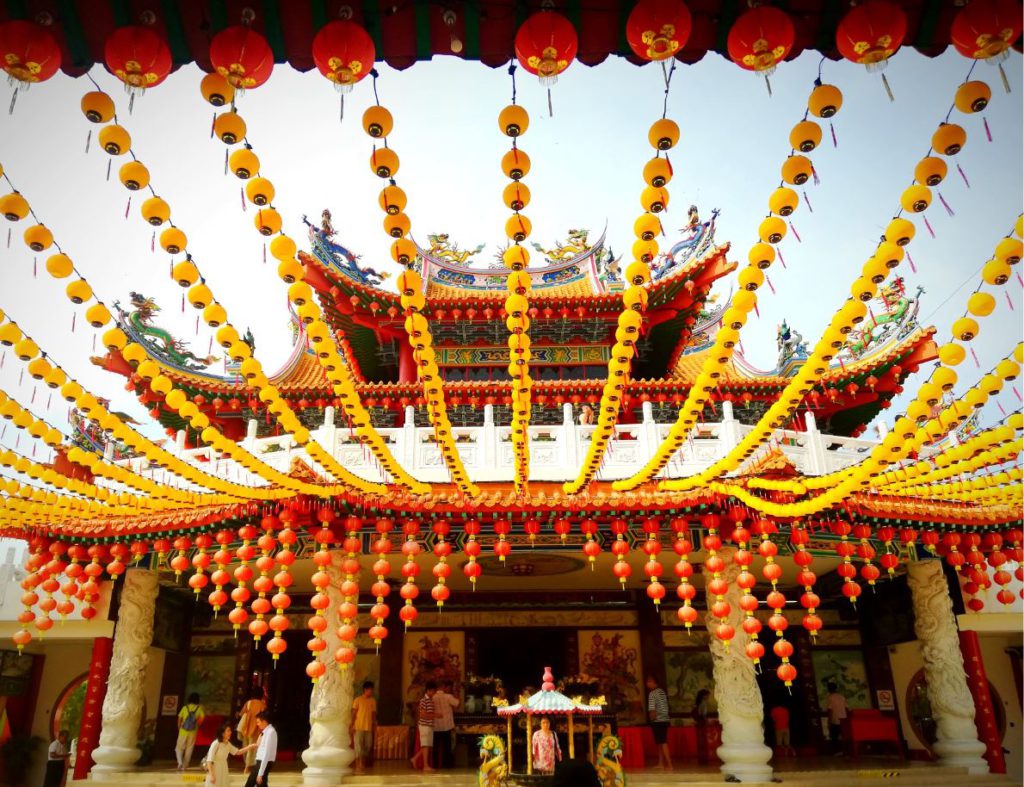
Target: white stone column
[
  {"x": 330, "y": 704},
  {"x": 740, "y": 709},
  {"x": 950, "y": 698},
  {"x": 122, "y": 706}
]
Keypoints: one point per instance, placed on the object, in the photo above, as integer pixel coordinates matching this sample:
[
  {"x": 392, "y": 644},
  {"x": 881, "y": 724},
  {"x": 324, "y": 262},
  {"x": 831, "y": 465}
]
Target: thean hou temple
[{"x": 483, "y": 464}]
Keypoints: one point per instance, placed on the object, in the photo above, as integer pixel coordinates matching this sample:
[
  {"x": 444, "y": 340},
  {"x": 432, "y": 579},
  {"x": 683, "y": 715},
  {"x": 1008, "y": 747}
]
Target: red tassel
[
  {"x": 1009, "y": 301},
  {"x": 963, "y": 174},
  {"x": 127, "y": 207},
  {"x": 795, "y": 233},
  {"x": 197, "y": 325},
  {"x": 757, "y": 311},
  {"x": 974, "y": 355},
  {"x": 814, "y": 172},
  {"x": 988, "y": 131},
  {"x": 929, "y": 226},
  {"x": 1017, "y": 391},
  {"x": 35, "y": 268},
  {"x": 241, "y": 193},
  {"x": 809, "y": 207},
  {"x": 782, "y": 259},
  {"x": 1000, "y": 406},
  {"x": 152, "y": 243},
  {"x": 213, "y": 124},
  {"x": 945, "y": 204},
  {"x": 183, "y": 303},
  {"x": 910, "y": 259},
  {"x": 264, "y": 253},
  {"x": 768, "y": 281}
]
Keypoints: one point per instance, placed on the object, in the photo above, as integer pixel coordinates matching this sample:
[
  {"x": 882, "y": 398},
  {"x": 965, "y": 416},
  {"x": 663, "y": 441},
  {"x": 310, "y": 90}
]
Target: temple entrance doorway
[
  {"x": 518, "y": 656},
  {"x": 288, "y": 692}
]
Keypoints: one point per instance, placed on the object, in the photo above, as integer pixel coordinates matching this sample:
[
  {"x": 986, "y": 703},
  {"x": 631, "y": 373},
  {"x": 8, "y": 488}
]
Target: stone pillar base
[
  {"x": 326, "y": 764},
  {"x": 962, "y": 754},
  {"x": 747, "y": 762},
  {"x": 114, "y": 759}
]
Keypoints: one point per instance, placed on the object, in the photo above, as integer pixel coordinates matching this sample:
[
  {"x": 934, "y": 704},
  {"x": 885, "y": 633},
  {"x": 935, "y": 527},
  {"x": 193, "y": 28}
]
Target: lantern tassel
[
  {"x": 341, "y": 110},
  {"x": 152, "y": 243},
  {"x": 8, "y": 237},
  {"x": 74, "y": 316},
  {"x": 241, "y": 193},
  {"x": 551, "y": 114},
  {"x": 1009, "y": 300},
  {"x": 88, "y": 140},
  {"x": 988, "y": 131},
  {"x": 888, "y": 90},
  {"x": 213, "y": 123},
  {"x": 264, "y": 253},
  {"x": 814, "y": 174},
  {"x": 1006, "y": 82},
  {"x": 35, "y": 268},
  {"x": 768, "y": 84},
  {"x": 945, "y": 204},
  {"x": 832, "y": 128},
  {"x": 225, "y": 162},
  {"x": 127, "y": 207},
  {"x": 809, "y": 207},
  {"x": 768, "y": 281},
  {"x": 782, "y": 259},
  {"x": 974, "y": 355},
  {"x": 795, "y": 233},
  {"x": 131, "y": 101},
  {"x": 929, "y": 226},
  {"x": 14, "y": 100},
  {"x": 910, "y": 259},
  {"x": 110, "y": 163},
  {"x": 963, "y": 174}
]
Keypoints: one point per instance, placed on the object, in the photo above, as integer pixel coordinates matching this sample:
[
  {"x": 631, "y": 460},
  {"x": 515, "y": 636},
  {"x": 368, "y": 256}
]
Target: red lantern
[
  {"x": 871, "y": 33},
  {"x": 986, "y": 29},
  {"x": 28, "y": 52},
  {"x": 137, "y": 56},
  {"x": 658, "y": 29},
  {"x": 344, "y": 53},
  {"x": 760, "y": 39},
  {"x": 242, "y": 56},
  {"x": 546, "y": 45}
]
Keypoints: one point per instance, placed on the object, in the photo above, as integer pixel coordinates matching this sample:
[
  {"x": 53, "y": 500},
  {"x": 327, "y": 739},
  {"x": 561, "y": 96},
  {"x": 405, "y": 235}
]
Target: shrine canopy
[
  {"x": 407, "y": 32},
  {"x": 550, "y": 702}
]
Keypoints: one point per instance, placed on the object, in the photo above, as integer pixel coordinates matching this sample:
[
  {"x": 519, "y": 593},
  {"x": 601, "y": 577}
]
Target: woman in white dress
[{"x": 217, "y": 773}]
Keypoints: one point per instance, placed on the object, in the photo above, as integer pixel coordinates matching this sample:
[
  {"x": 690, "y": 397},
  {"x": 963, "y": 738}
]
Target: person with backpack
[{"x": 190, "y": 718}]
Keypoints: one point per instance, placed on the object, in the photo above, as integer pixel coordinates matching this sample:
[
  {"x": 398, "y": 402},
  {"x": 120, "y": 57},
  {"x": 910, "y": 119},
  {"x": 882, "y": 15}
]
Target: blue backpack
[{"x": 191, "y": 712}]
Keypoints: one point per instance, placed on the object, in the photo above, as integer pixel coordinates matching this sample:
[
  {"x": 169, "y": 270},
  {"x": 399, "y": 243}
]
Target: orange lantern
[
  {"x": 28, "y": 53},
  {"x": 242, "y": 56},
  {"x": 986, "y": 29},
  {"x": 546, "y": 45},
  {"x": 344, "y": 53},
  {"x": 137, "y": 56},
  {"x": 760, "y": 39},
  {"x": 658, "y": 29},
  {"x": 871, "y": 33}
]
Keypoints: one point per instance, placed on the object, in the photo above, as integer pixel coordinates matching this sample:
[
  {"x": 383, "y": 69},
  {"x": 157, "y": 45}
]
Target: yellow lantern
[
  {"x": 949, "y": 139},
  {"x": 226, "y": 336},
  {"x": 762, "y": 255},
  {"x": 377, "y": 121},
  {"x": 515, "y": 164},
  {"x": 133, "y": 175},
  {"x": 79, "y": 291},
  {"x": 267, "y": 221},
  {"x": 944, "y": 378},
  {"x": 952, "y": 354},
  {"x": 863, "y": 289},
  {"x": 155, "y": 211},
  {"x": 56, "y": 378},
  {"x": 516, "y": 257},
  {"x": 199, "y": 296},
  {"x": 825, "y": 101},
  {"x": 876, "y": 270},
  {"x": 397, "y": 225},
  {"x": 930, "y": 171},
  {"x": 918, "y": 411},
  {"x": 995, "y": 272},
  {"x": 1007, "y": 369},
  {"x": 916, "y": 198},
  {"x": 215, "y": 315},
  {"x": 185, "y": 273},
  {"x": 751, "y": 277},
  {"x": 38, "y": 238},
  {"x": 300, "y": 293},
  {"x": 965, "y": 329},
  {"x": 513, "y": 120},
  {"x": 403, "y": 251},
  {"x": 14, "y": 206},
  {"x": 97, "y": 315},
  {"x": 654, "y": 200},
  {"x": 981, "y": 304},
  {"x": 889, "y": 254},
  {"x": 805, "y": 136},
  {"x": 392, "y": 199},
  {"x": 900, "y": 232},
  {"x": 115, "y": 339},
  {"x": 26, "y": 349},
  {"x": 797, "y": 170},
  {"x": 663, "y": 134},
  {"x": 972, "y": 97},
  {"x": 217, "y": 90},
  {"x": 772, "y": 230},
  {"x": 635, "y": 298},
  {"x": 244, "y": 163},
  {"x": 229, "y": 127},
  {"x": 97, "y": 107},
  {"x": 283, "y": 248},
  {"x": 384, "y": 162},
  {"x": 259, "y": 191},
  {"x": 1009, "y": 250},
  {"x": 638, "y": 274},
  {"x": 657, "y": 172},
  {"x": 161, "y": 385},
  {"x": 516, "y": 195},
  {"x": 783, "y": 201},
  {"x": 115, "y": 139},
  {"x": 645, "y": 250},
  {"x": 134, "y": 353},
  {"x": 173, "y": 240},
  {"x": 290, "y": 271},
  {"x": 647, "y": 227}
]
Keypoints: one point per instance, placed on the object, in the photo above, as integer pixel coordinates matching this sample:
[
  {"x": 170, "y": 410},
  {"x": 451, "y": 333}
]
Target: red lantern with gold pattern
[
  {"x": 138, "y": 56},
  {"x": 546, "y": 45},
  {"x": 658, "y": 29},
  {"x": 871, "y": 33},
  {"x": 760, "y": 39},
  {"x": 242, "y": 56},
  {"x": 28, "y": 52},
  {"x": 344, "y": 53},
  {"x": 986, "y": 29}
]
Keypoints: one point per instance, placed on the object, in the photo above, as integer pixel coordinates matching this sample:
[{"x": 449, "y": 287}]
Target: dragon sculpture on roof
[
  {"x": 443, "y": 248},
  {"x": 138, "y": 324},
  {"x": 574, "y": 245}
]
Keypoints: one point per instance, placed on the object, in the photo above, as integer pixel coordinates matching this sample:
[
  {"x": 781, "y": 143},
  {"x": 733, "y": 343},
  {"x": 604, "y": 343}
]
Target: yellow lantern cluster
[
  {"x": 663, "y": 136},
  {"x": 796, "y": 171},
  {"x": 377, "y": 122},
  {"x": 513, "y": 121}
]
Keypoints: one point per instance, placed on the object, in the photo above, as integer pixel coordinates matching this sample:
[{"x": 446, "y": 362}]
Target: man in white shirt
[
  {"x": 266, "y": 752},
  {"x": 444, "y": 724}
]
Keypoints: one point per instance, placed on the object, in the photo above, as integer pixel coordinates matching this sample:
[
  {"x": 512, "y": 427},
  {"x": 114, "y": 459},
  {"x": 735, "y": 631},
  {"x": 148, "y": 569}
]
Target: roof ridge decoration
[
  {"x": 336, "y": 257},
  {"x": 160, "y": 343}
]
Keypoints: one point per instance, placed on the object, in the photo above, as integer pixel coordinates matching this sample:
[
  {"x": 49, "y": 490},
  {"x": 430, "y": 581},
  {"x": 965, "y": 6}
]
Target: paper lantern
[
  {"x": 546, "y": 45},
  {"x": 871, "y": 32},
  {"x": 242, "y": 56},
  {"x": 344, "y": 53},
  {"x": 28, "y": 52},
  {"x": 985, "y": 29},
  {"x": 658, "y": 29},
  {"x": 760, "y": 39},
  {"x": 138, "y": 56}
]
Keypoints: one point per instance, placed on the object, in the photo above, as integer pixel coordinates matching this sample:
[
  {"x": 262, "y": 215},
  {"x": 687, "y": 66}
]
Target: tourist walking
[
  {"x": 425, "y": 725},
  {"x": 657, "y": 713},
  {"x": 837, "y": 708},
  {"x": 266, "y": 752},
  {"x": 364, "y": 725},
  {"x": 217, "y": 772},
  {"x": 190, "y": 718},
  {"x": 57, "y": 760},
  {"x": 780, "y": 721},
  {"x": 701, "y": 711},
  {"x": 445, "y": 705},
  {"x": 546, "y": 751},
  {"x": 248, "y": 732}
]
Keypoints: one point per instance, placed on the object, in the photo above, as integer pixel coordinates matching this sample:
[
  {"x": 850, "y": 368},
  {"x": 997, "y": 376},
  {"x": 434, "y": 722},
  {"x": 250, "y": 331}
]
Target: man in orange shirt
[{"x": 364, "y": 725}]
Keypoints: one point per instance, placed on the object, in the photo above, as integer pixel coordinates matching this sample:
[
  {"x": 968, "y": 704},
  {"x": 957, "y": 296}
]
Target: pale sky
[{"x": 586, "y": 170}]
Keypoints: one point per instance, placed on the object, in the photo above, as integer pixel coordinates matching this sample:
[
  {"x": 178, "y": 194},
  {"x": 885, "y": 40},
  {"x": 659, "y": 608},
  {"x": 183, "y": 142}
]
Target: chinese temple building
[{"x": 555, "y": 460}]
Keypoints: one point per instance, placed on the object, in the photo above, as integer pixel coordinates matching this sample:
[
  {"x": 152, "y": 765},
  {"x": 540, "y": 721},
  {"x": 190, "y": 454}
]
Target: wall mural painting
[
  {"x": 846, "y": 669},
  {"x": 613, "y": 657},
  {"x": 687, "y": 672},
  {"x": 433, "y": 655},
  {"x": 213, "y": 678}
]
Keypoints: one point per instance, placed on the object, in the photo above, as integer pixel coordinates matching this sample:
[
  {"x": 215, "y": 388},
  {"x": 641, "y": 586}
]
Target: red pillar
[
  {"x": 406, "y": 363},
  {"x": 984, "y": 715},
  {"x": 89, "y": 734}
]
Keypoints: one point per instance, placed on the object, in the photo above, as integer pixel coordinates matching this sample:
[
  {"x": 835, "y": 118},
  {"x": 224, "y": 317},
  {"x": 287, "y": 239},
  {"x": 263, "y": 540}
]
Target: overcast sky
[{"x": 587, "y": 161}]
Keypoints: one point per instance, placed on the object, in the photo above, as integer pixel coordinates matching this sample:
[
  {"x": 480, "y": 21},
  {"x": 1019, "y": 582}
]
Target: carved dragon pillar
[
  {"x": 122, "y": 706},
  {"x": 957, "y": 741},
  {"x": 740, "y": 709},
  {"x": 330, "y": 704}
]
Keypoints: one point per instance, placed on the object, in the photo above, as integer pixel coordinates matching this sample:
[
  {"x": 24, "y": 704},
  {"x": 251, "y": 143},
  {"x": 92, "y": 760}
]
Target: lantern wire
[
  {"x": 667, "y": 75},
  {"x": 512, "y": 73}
]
